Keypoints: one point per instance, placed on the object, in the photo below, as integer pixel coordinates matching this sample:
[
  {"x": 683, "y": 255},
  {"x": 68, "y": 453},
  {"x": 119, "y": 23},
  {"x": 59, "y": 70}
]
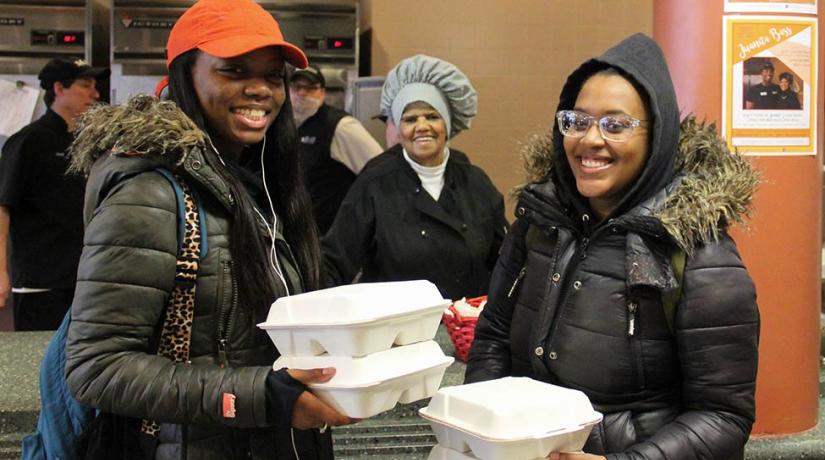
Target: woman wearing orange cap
[{"x": 228, "y": 135}]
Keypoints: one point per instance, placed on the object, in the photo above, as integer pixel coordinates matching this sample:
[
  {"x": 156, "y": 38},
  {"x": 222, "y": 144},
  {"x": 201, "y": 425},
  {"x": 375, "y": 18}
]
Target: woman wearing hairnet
[{"x": 420, "y": 212}]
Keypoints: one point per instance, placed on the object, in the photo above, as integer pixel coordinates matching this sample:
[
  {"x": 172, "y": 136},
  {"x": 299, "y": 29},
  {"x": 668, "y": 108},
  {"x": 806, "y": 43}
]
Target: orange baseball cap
[{"x": 229, "y": 28}]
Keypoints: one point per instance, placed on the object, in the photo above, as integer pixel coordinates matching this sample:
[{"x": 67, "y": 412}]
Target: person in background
[
  {"x": 787, "y": 99},
  {"x": 334, "y": 145},
  {"x": 227, "y": 131},
  {"x": 619, "y": 278},
  {"x": 390, "y": 131},
  {"x": 763, "y": 95},
  {"x": 41, "y": 207},
  {"x": 418, "y": 211},
  {"x": 394, "y": 147}
]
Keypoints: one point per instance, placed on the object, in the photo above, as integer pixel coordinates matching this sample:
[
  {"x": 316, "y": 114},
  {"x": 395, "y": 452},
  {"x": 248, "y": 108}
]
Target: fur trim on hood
[
  {"x": 142, "y": 125},
  {"x": 716, "y": 187}
]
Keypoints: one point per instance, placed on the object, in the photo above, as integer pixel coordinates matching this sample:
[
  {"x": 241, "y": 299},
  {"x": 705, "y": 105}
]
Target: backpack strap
[
  {"x": 176, "y": 333},
  {"x": 670, "y": 299},
  {"x": 179, "y": 195}
]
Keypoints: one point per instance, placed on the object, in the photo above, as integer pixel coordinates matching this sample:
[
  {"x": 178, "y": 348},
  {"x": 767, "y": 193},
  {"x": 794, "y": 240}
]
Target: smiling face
[
  {"x": 240, "y": 97},
  {"x": 784, "y": 84},
  {"x": 767, "y": 76},
  {"x": 423, "y": 133},
  {"x": 605, "y": 170}
]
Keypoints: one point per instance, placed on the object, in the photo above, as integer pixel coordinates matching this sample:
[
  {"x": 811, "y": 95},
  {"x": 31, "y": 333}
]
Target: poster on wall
[
  {"x": 771, "y": 6},
  {"x": 769, "y": 84}
]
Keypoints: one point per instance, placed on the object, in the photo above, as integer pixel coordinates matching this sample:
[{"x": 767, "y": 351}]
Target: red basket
[{"x": 462, "y": 329}]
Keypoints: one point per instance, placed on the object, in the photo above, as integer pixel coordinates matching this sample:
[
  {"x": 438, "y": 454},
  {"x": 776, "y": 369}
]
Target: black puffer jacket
[
  {"x": 126, "y": 274},
  {"x": 580, "y": 304}
]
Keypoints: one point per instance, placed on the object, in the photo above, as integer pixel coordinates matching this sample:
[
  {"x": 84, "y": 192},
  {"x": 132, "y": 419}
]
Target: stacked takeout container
[
  {"x": 512, "y": 418},
  {"x": 379, "y": 337}
]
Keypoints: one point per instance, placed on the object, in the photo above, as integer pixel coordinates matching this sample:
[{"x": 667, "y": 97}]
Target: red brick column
[{"x": 782, "y": 247}]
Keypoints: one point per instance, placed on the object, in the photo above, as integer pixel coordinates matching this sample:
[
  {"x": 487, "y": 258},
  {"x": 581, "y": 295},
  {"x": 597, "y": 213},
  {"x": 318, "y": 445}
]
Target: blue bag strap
[
  {"x": 182, "y": 211},
  {"x": 62, "y": 418}
]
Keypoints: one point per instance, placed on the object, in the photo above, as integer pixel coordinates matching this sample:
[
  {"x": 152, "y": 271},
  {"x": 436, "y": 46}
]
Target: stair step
[
  {"x": 424, "y": 455},
  {"x": 403, "y": 411},
  {"x": 11, "y": 440},
  {"x": 9, "y": 453},
  {"x": 384, "y": 439},
  {"x": 383, "y": 427},
  {"x": 422, "y": 448}
]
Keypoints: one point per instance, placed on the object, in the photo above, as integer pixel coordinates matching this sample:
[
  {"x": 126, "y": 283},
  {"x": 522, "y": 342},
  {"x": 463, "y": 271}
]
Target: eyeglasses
[
  {"x": 614, "y": 128},
  {"x": 300, "y": 86}
]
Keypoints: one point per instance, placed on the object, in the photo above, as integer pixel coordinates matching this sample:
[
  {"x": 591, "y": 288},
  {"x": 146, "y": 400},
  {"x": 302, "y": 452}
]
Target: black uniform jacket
[
  {"x": 45, "y": 203},
  {"x": 579, "y": 303},
  {"x": 390, "y": 228}
]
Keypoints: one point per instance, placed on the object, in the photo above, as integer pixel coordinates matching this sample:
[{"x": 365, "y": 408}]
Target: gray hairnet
[{"x": 434, "y": 81}]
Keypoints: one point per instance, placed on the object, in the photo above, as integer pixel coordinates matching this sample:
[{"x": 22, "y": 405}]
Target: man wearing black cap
[
  {"x": 765, "y": 94},
  {"x": 42, "y": 207},
  {"x": 334, "y": 145}
]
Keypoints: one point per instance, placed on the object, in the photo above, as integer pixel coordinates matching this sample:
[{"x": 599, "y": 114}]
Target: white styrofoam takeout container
[
  {"x": 366, "y": 386},
  {"x": 511, "y": 418},
  {"x": 355, "y": 320},
  {"x": 442, "y": 453}
]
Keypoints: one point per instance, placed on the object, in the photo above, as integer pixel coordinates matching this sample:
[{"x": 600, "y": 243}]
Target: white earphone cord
[{"x": 273, "y": 256}]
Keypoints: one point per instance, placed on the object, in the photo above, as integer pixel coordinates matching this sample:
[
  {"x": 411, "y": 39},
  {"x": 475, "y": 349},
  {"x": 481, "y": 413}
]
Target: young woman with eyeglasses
[{"x": 619, "y": 278}]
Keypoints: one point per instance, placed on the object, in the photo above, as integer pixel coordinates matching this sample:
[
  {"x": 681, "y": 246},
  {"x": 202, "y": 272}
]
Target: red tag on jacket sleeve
[{"x": 228, "y": 405}]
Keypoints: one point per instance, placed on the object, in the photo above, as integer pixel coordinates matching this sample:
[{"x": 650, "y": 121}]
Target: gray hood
[{"x": 640, "y": 59}]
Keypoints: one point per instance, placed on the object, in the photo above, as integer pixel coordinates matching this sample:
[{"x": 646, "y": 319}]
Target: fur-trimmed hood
[
  {"x": 690, "y": 186},
  {"x": 142, "y": 126},
  {"x": 713, "y": 187}
]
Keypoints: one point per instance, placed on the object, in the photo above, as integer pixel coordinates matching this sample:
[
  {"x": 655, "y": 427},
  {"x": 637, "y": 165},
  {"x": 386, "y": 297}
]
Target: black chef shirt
[
  {"x": 763, "y": 97},
  {"x": 45, "y": 204}
]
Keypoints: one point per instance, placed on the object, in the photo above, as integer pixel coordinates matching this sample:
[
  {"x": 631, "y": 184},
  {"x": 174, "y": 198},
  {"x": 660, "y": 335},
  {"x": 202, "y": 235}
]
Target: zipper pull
[
  {"x": 516, "y": 281},
  {"x": 222, "y": 353},
  {"x": 631, "y": 318}
]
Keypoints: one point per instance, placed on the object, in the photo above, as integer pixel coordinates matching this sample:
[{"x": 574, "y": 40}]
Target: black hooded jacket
[{"x": 579, "y": 303}]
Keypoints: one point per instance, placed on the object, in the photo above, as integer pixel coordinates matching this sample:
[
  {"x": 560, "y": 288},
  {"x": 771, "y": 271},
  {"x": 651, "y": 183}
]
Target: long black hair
[{"x": 256, "y": 285}]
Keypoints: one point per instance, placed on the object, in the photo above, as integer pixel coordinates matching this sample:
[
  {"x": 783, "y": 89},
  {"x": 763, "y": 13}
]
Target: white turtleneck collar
[{"x": 432, "y": 177}]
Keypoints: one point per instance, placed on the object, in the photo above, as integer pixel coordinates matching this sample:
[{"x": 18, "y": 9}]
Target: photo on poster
[
  {"x": 771, "y": 6},
  {"x": 768, "y": 84}
]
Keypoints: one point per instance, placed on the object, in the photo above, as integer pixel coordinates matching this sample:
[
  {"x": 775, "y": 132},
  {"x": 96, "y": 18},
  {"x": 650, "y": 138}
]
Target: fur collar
[
  {"x": 716, "y": 187},
  {"x": 141, "y": 126}
]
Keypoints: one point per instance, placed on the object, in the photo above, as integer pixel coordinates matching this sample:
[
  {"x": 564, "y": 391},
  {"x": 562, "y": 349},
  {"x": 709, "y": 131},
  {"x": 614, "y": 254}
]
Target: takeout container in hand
[
  {"x": 511, "y": 418},
  {"x": 366, "y": 386},
  {"x": 355, "y": 320},
  {"x": 442, "y": 453}
]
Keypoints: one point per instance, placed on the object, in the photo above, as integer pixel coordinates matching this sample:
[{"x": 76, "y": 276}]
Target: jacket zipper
[
  {"x": 226, "y": 319},
  {"x": 294, "y": 263},
  {"x": 579, "y": 253},
  {"x": 631, "y": 318},
  {"x": 516, "y": 282},
  {"x": 184, "y": 449},
  {"x": 634, "y": 344}
]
